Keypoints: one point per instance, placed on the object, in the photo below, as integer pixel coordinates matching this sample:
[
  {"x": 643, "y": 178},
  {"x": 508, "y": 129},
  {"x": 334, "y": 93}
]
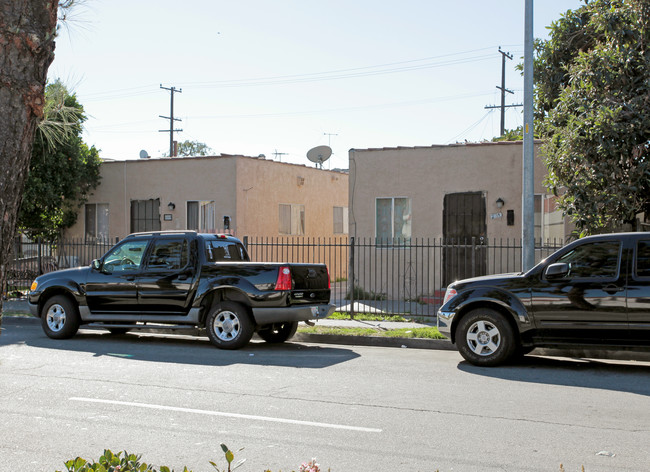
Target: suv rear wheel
[{"x": 485, "y": 338}]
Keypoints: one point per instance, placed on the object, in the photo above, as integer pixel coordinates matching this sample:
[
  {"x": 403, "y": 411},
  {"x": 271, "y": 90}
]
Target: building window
[
  {"x": 145, "y": 215},
  {"x": 549, "y": 220},
  {"x": 96, "y": 222},
  {"x": 340, "y": 220},
  {"x": 292, "y": 219},
  {"x": 200, "y": 216},
  {"x": 393, "y": 220}
]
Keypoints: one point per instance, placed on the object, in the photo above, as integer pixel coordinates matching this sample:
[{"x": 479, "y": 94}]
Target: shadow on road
[
  {"x": 586, "y": 373},
  {"x": 191, "y": 350}
]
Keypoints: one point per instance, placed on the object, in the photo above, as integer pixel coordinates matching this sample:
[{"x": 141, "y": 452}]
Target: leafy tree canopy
[
  {"x": 592, "y": 100},
  {"x": 63, "y": 170},
  {"x": 193, "y": 148}
]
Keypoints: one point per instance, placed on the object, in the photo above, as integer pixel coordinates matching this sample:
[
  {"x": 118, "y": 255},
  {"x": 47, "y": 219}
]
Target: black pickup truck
[{"x": 183, "y": 280}]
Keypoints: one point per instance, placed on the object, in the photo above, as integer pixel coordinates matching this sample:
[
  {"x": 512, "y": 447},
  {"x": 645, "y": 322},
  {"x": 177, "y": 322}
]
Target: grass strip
[{"x": 421, "y": 333}]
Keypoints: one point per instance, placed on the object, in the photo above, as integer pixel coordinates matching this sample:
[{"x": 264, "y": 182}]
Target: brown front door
[{"x": 464, "y": 230}]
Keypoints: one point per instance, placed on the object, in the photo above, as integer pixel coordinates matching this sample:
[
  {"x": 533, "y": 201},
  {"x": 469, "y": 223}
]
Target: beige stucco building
[
  {"x": 437, "y": 214},
  {"x": 253, "y": 196},
  {"x": 451, "y": 191}
]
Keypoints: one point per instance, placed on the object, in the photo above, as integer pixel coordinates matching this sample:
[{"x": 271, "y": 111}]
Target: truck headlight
[{"x": 449, "y": 294}]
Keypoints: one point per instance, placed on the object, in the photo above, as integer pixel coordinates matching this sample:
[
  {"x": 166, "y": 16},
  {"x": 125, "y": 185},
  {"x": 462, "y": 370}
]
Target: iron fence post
[
  {"x": 351, "y": 284},
  {"x": 38, "y": 258}
]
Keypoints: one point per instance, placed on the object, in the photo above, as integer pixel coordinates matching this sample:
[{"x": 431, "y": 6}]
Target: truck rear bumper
[{"x": 292, "y": 313}]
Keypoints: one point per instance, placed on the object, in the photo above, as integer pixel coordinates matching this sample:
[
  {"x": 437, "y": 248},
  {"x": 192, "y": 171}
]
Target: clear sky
[{"x": 266, "y": 77}]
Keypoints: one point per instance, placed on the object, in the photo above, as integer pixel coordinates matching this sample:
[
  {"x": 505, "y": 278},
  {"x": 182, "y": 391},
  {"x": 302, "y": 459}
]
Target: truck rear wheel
[
  {"x": 278, "y": 332},
  {"x": 229, "y": 326}
]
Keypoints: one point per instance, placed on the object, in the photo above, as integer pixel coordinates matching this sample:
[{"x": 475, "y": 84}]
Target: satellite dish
[
  {"x": 144, "y": 154},
  {"x": 319, "y": 154}
]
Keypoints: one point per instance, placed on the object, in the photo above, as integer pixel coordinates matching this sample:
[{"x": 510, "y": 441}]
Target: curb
[{"x": 378, "y": 341}]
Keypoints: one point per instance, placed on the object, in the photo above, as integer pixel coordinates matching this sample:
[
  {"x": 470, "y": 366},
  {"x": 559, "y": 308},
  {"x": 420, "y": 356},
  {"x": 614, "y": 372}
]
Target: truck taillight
[
  {"x": 329, "y": 282},
  {"x": 284, "y": 279}
]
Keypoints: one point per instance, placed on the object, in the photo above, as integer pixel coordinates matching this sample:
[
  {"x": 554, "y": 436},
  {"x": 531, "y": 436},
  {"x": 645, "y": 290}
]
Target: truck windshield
[{"x": 224, "y": 251}]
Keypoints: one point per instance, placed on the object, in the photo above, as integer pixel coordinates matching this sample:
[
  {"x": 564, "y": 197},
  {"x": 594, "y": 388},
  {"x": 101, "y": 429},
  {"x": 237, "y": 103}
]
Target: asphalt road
[{"x": 175, "y": 399}]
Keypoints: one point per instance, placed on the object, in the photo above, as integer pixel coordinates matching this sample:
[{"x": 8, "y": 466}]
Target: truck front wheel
[
  {"x": 278, "y": 332},
  {"x": 229, "y": 326},
  {"x": 485, "y": 338},
  {"x": 60, "y": 317}
]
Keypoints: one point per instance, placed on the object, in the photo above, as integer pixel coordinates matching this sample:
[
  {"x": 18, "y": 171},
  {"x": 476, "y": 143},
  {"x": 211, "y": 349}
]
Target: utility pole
[
  {"x": 172, "y": 151},
  {"x": 503, "y": 89},
  {"x": 279, "y": 154},
  {"x": 528, "y": 177}
]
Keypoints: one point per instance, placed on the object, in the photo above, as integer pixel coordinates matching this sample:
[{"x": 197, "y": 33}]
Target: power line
[{"x": 379, "y": 69}]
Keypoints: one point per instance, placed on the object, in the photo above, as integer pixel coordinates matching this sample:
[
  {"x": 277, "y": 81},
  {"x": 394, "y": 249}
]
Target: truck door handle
[
  {"x": 130, "y": 278},
  {"x": 612, "y": 289}
]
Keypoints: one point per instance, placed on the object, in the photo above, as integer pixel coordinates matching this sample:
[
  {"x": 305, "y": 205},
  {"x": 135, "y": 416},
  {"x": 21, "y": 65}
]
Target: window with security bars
[
  {"x": 292, "y": 219},
  {"x": 145, "y": 215}
]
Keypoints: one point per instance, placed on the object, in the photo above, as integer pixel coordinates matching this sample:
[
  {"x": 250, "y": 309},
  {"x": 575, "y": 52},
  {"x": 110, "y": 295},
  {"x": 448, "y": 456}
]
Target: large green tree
[
  {"x": 63, "y": 169},
  {"x": 592, "y": 107}
]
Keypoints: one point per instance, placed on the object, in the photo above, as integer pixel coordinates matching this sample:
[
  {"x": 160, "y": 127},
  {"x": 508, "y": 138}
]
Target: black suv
[{"x": 592, "y": 293}]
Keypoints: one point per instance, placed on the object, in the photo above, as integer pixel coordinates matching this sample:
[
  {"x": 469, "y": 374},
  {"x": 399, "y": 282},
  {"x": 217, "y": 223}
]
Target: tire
[
  {"x": 229, "y": 326},
  {"x": 485, "y": 338},
  {"x": 278, "y": 332},
  {"x": 60, "y": 317}
]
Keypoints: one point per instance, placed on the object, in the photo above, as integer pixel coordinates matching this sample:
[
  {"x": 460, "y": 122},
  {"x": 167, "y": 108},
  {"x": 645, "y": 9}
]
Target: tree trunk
[{"x": 27, "y": 32}]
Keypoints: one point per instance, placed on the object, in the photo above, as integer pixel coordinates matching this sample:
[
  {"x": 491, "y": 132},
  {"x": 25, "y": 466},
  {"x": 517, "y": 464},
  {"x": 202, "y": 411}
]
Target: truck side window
[
  {"x": 169, "y": 254},
  {"x": 126, "y": 257},
  {"x": 593, "y": 260},
  {"x": 642, "y": 266}
]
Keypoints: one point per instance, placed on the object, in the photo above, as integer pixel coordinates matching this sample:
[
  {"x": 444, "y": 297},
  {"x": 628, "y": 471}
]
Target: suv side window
[
  {"x": 642, "y": 265},
  {"x": 169, "y": 254},
  {"x": 593, "y": 260}
]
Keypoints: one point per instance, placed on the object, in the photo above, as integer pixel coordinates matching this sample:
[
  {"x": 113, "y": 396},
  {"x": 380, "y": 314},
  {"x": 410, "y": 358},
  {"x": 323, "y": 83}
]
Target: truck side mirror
[{"x": 557, "y": 270}]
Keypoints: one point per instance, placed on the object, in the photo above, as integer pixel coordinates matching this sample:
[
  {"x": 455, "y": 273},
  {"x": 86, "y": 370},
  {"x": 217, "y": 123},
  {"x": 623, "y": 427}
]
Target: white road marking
[{"x": 229, "y": 415}]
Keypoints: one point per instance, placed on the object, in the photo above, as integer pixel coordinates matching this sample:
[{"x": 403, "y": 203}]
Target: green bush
[{"x": 125, "y": 462}]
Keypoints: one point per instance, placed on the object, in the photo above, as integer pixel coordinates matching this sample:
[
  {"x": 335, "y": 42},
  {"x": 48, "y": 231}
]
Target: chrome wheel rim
[
  {"x": 55, "y": 317},
  {"x": 483, "y": 338},
  {"x": 226, "y": 325}
]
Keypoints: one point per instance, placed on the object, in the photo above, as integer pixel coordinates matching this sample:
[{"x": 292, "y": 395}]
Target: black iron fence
[
  {"x": 31, "y": 258},
  {"x": 396, "y": 277},
  {"x": 406, "y": 277}
]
